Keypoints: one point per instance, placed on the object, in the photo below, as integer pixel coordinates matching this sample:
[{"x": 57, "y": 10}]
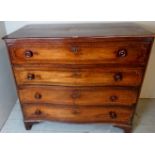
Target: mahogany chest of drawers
[{"x": 81, "y": 73}]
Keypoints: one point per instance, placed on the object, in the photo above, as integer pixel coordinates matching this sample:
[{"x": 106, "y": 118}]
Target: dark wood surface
[
  {"x": 117, "y": 29},
  {"x": 79, "y": 72}
]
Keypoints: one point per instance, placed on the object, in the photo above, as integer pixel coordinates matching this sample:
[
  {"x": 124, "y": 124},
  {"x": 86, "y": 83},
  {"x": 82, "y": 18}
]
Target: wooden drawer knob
[
  {"x": 113, "y": 98},
  {"x": 38, "y": 112},
  {"x": 118, "y": 77},
  {"x": 30, "y": 76},
  {"x": 38, "y": 96},
  {"x": 28, "y": 54},
  {"x": 122, "y": 53},
  {"x": 112, "y": 115}
]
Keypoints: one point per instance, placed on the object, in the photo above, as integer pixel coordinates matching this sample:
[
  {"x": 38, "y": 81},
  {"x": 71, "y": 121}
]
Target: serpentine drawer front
[
  {"x": 80, "y": 77},
  {"x": 78, "y": 95},
  {"x": 81, "y": 73},
  {"x": 115, "y": 52}
]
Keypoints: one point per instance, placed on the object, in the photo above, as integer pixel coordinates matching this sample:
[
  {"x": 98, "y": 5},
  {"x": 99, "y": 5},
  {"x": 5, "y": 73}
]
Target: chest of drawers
[{"x": 81, "y": 73}]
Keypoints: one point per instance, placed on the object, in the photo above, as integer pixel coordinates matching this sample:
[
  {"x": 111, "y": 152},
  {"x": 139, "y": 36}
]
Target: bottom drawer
[{"x": 77, "y": 114}]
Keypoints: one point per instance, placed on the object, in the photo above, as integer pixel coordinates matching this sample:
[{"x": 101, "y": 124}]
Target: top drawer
[{"x": 61, "y": 52}]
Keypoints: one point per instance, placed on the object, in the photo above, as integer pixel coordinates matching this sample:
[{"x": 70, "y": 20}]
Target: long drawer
[
  {"x": 77, "y": 114},
  {"x": 106, "y": 76},
  {"x": 60, "y": 95},
  {"x": 60, "y": 52}
]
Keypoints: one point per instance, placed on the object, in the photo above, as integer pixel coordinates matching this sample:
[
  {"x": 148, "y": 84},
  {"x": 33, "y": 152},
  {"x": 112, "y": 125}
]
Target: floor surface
[{"x": 144, "y": 122}]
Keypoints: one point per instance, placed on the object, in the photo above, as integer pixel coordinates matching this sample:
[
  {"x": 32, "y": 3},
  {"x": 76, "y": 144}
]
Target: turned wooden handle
[
  {"x": 112, "y": 115},
  {"x": 113, "y": 98},
  {"x": 122, "y": 53},
  {"x": 38, "y": 96},
  {"x": 38, "y": 112},
  {"x": 28, "y": 54},
  {"x": 30, "y": 76},
  {"x": 118, "y": 76}
]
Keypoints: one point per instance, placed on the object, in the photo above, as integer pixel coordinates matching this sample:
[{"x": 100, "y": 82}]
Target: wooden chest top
[{"x": 94, "y": 30}]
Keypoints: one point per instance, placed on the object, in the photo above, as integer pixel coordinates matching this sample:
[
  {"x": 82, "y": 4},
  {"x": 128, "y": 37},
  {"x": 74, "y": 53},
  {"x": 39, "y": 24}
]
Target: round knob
[
  {"x": 113, "y": 98},
  {"x": 38, "y": 112},
  {"x": 118, "y": 76},
  {"x": 112, "y": 114},
  {"x": 122, "y": 53},
  {"x": 74, "y": 49},
  {"x": 28, "y": 54},
  {"x": 38, "y": 96},
  {"x": 30, "y": 76}
]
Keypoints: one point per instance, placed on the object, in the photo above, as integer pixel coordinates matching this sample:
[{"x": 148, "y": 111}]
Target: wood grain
[
  {"x": 78, "y": 95},
  {"x": 79, "y": 77},
  {"x": 80, "y": 73},
  {"x": 57, "y": 52},
  {"x": 76, "y": 114},
  {"x": 117, "y": 29}
]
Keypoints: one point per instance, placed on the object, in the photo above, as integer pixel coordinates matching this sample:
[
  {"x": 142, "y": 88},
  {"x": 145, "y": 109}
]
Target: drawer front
[
  {"x": 77, "y": 114},
  {"x": 81, "y": 77},
  {"x": 130, "y": 52},
  {"x": 78, "y": 95}
]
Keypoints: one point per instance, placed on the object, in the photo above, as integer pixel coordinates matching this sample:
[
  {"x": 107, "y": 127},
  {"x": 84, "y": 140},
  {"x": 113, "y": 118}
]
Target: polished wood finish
[
  {"x": 87, "y": 30},
  {"x": 81, "y": 73},
  {"x": 105, "y": 76},
  {"x": 57, "y": 52},
  {"x": 60, "y": 95},
  {"x": 77, "y": 114}
]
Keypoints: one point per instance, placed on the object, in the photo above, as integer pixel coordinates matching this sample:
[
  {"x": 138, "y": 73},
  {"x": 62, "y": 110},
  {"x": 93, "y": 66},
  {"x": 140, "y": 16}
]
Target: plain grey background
[{"x": 8, "y": 95}]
